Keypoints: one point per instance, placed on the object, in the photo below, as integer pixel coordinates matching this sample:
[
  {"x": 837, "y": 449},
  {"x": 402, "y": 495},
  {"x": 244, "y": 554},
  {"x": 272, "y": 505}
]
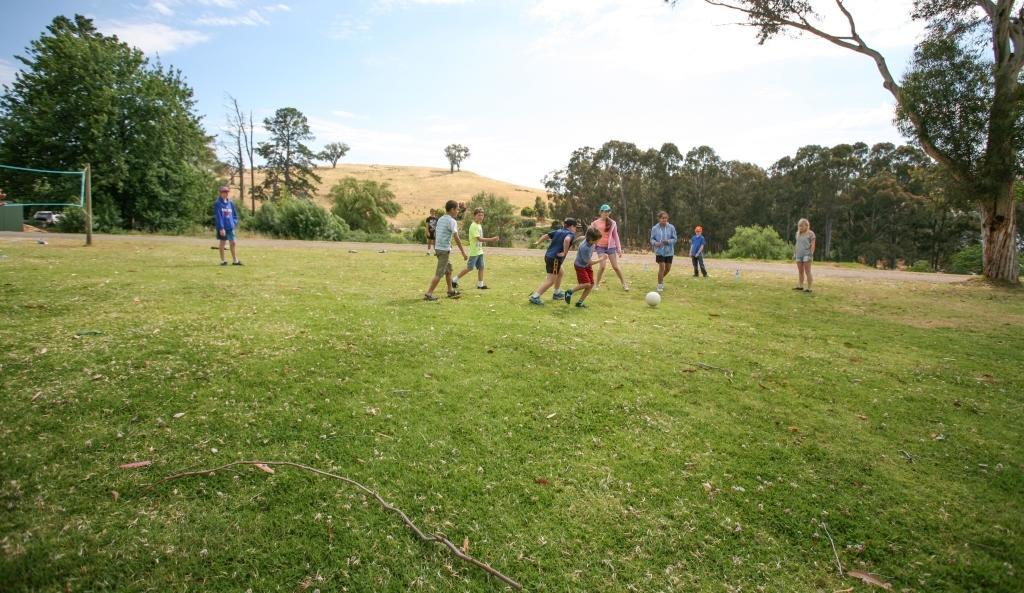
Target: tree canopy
[
  {"x": 364, "y": 205},
  {"x": 333, "y": 152},
  {"x": 288, "y": 161},
  {"x": 84, "y": 97},
  {"x": 960, "y": 100},
  {"x": 456, "y": 153},
  {"x": 882, "y": 203}
]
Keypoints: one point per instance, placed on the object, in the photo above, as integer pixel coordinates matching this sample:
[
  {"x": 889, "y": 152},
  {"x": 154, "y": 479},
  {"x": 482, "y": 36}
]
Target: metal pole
[{"x": 88, "y": 205}]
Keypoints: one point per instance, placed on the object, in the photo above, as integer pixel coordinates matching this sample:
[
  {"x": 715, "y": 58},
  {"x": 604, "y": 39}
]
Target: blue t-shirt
[
  {"x": 444, "y": 231},
  {"x": 583, "y": 255},
  {"x": 557, "y": 238},
  {"x": 695, "y": 244}
]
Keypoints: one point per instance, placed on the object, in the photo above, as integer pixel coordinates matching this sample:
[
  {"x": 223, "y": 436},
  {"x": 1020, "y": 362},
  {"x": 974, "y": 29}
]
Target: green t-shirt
[{"x": 476, "y": 246}]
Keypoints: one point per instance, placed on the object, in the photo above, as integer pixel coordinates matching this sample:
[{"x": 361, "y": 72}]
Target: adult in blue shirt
[
  {"x": 697, "y": 243},
  {"x": 663, "y": 242},
  {"x": 225, "y": 219}
]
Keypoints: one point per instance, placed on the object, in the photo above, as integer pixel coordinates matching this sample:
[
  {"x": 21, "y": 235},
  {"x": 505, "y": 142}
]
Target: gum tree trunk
[{"x": 999, "y": 238}]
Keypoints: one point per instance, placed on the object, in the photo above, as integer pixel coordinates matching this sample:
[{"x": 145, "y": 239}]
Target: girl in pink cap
[{"x": 609, "y": 247}]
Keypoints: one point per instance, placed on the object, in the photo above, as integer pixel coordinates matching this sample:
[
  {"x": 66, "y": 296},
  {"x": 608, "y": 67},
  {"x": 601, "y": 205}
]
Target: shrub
[
  {"x": 921, "y": 266},
  {"x": 292, "y": 218},
  {"x": 499, "y": 219},
  {"x": 364, "y": 205},
  {"x": 72, "y": 220},
  {"x": 757, "y": 242},
  {"x": 526, "y": 212},
  {"x": 966, "y": 261},
  {"x": 527, "y": 223}
]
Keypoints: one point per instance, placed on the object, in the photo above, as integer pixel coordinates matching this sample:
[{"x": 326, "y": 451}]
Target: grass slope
[
  {"x": 578, "y": 450},
  {"x": 418, "y": 189}
]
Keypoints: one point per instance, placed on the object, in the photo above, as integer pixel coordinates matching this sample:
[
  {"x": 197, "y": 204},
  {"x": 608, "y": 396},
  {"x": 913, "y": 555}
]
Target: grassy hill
[{"x": 418, "y": 189}]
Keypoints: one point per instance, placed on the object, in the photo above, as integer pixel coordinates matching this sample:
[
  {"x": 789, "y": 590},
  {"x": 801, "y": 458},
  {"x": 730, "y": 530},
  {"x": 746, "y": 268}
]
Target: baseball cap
[
  {"x": 223, "y": 189},
  {"x": 606, "y": 208},
  {"x": 570, "y": 222}
]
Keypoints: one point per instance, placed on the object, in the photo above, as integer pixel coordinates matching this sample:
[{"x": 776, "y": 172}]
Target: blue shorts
[
  {"x": 475, "y": 262},
  {"x": 803, "y": 258},
  {"x": 229, "y": 235},
  {"x": 607, "y": 250}
]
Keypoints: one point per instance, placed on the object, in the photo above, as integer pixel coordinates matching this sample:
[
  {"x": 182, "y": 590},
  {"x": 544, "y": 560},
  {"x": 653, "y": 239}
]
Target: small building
[{"x": 12, "y": 217}]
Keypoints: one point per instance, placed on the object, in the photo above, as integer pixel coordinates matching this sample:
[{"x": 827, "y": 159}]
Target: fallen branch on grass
[
  {"x": 426, "y": 537},
  {"x": 708, "y": 367},
  {"x": 839, "y": 565}
]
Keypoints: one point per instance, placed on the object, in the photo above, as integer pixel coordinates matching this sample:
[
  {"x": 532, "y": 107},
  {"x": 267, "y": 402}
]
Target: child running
[
  {"x": 561, "y": 240},
  {"x": 447, "y": 229},
  {"x": 584, "y": 268},
  {"x": 476, "y": 250}
]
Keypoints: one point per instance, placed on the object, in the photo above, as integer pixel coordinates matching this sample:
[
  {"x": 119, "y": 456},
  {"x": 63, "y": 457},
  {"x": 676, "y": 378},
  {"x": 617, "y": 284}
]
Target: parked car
[{"x": 47, "y": 217}]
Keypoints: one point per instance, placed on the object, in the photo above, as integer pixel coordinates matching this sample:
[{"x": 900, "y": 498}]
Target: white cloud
[
  {"x": 161, "y": 8},
  {"x": 219, "y": 3},
  {"x": 153, "y": 37},
  {"x": 252, "y": 18},
  {"x": 277, "y": 8},
  {"x": 345, "y": 27},
  {"x": 387, "y": 5}
]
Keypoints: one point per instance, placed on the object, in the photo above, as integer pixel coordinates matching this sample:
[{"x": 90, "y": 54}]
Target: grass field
[{"x": 577, "y": 450}]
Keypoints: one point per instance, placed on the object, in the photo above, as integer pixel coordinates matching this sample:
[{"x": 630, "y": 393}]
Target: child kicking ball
[{"x": 584, "y": 268}]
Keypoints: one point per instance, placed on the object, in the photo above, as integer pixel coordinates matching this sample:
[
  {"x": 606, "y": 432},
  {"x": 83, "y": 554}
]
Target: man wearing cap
[{"x": 225, "y": 219}]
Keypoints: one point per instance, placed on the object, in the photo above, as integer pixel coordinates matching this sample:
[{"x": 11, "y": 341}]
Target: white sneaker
[
  {"x": 660, "y": 288},
  {"x": 625, "y": 286}
]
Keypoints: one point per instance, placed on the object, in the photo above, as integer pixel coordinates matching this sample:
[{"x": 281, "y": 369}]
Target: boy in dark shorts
[
  {"x": 447, "y": 230},
  {"x": 663, "y": 242},
  {"x": 431, "y": 229},
  {"x": 225, "y": 219},
  {"x": 561, "y": 241},
  {"x": 584, "y": 267}
]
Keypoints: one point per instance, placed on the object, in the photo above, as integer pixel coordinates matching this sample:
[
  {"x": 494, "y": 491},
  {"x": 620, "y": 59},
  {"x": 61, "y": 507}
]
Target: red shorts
[{"x": 585, "y": 275}]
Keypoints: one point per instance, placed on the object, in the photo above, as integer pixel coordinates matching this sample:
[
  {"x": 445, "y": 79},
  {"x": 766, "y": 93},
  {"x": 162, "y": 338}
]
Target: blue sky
[{"x": 521, "y": 82}]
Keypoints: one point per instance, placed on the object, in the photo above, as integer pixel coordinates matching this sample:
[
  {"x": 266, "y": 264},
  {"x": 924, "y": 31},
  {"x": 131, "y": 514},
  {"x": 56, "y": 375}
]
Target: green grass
[{"x": 578, "y": 450}]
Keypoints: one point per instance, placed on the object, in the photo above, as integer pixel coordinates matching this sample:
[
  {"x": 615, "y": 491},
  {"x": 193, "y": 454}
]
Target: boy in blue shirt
[
  {"x": 225, "y": 219},
  {"x": 663, "y": 241},
  {"x": 446, "y": 231},
  {"x": 561, "y": 241},
  {"x": 584, "y": 267},
  {"x": 697, "y": 251}
]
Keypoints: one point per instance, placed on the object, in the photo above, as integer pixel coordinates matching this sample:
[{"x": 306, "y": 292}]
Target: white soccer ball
[{"x": 653, "y": 299}]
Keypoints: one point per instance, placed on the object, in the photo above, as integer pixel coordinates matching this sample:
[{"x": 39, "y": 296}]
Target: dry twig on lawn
[
  {"x": 838, "y": 564},
  {"x": 708, "y": 367},
  {"x": 426, "y": 537}
]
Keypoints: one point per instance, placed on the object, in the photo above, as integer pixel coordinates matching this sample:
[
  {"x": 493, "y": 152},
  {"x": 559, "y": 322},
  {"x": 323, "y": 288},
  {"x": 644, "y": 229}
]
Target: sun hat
[
  {"x": 605, "y": 208},
  {"x": 224, "y": 188},
  {"x": 570, "y": 222}
]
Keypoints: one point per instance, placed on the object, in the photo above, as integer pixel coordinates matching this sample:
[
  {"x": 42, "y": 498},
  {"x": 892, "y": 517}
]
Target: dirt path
[{"x": 682, "y": 265}]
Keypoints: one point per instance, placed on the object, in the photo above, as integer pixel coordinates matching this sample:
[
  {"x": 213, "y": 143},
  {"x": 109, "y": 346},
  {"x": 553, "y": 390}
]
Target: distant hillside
[{"x": 418, "y": 189}]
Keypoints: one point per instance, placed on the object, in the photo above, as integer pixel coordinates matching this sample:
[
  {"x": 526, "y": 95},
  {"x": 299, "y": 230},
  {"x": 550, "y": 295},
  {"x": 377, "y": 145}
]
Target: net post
[{"x": 88, "y": 205}]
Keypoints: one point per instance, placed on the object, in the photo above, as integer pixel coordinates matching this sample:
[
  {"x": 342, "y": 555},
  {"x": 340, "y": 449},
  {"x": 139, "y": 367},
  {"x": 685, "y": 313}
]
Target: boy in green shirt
[{"x": 476, "y": 250}]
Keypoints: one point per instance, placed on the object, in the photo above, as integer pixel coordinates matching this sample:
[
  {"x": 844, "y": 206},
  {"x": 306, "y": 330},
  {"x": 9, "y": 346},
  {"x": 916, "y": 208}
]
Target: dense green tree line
[
  {"x": 868, "y": 203},
  {"x": 85, "y": 98}
]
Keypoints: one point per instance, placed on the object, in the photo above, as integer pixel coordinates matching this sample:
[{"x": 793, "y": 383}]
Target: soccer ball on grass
[{"x": 653, "y": 299}]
